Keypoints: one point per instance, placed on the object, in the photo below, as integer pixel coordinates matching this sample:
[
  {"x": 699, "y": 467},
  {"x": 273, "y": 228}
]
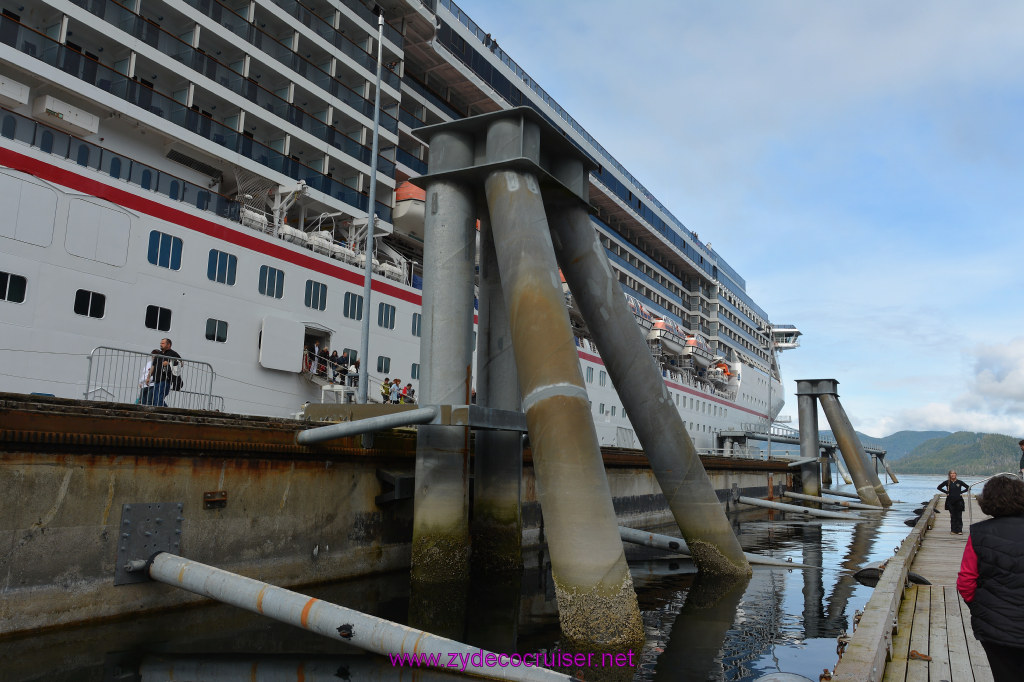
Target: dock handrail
[
  {"x": 871, "y": 644},
  {"x": 970, "y": 510}
]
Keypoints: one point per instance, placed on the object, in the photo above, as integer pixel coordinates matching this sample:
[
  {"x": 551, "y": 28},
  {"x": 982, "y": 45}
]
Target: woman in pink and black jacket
[{"x": 991, "y": 578}]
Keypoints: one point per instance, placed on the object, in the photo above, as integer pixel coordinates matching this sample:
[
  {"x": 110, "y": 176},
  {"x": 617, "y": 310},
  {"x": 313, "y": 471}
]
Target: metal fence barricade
[{"x": 121, "y": 376}]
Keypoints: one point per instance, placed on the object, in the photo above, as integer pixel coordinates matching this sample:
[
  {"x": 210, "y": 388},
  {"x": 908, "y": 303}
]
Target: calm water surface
[{"x": 783, "y": 620}]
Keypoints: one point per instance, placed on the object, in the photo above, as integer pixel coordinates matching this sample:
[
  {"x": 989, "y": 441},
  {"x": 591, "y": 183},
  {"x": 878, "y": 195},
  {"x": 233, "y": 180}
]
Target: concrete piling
[
  {"x": 826, "y": 471},
  {"x": 497, "y": 525},
  {"x": 596, "y": 602},
  {"x": 441, "y": 542},
  {"x": 640, "y": 386}
]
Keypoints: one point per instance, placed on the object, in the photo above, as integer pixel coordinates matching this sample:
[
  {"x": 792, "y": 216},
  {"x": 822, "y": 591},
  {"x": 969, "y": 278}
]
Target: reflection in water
[
  {"x": 695, "y": 644},
  {"x": 783, "y": 620}
]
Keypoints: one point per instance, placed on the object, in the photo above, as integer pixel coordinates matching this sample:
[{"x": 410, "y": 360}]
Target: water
[{"x": 783, "y": 620}]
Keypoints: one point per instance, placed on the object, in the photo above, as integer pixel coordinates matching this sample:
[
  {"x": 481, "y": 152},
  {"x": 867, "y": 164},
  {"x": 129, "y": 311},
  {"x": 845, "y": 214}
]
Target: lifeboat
[
  {"x": 407, "y": 217},
  {"x": 641, "y": 314},
  {"x": 671, "y": 336},
  {"x": 699, "y": 351}
]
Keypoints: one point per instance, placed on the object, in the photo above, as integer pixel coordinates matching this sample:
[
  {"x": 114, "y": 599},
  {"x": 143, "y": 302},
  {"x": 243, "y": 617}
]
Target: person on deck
[
  {"x": 1021, "y": 444},
  {"x": 165, "y": 370},
  {"x": 954, "y": 490},
  {"x": 991, "y": 577}
]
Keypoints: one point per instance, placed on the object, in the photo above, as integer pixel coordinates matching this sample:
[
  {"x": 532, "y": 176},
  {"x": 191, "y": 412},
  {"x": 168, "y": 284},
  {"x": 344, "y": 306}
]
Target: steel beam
[
  {"x": 797, "y": 509},
  {"x": 338, "y": 623},
  {"x": 639, "y": 383}
]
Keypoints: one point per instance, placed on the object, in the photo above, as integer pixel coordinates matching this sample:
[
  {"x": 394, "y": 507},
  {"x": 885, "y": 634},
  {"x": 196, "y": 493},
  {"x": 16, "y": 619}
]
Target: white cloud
[{"x": 999, "y": 377}]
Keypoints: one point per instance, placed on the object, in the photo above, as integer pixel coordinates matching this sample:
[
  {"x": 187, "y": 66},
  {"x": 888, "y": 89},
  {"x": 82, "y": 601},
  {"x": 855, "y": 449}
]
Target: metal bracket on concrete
[
  {"x": 402, "y": 486},
  {"x": 146, "y": 528}
]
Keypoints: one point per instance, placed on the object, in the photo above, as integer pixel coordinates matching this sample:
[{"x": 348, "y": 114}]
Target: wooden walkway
[{"x": 932, "y": 640}]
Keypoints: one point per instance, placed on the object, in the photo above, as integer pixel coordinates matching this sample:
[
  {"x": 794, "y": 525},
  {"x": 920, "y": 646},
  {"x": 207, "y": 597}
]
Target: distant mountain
[
  {"x": 898, "y": 445},
  {"x": 977, "y": 454}
]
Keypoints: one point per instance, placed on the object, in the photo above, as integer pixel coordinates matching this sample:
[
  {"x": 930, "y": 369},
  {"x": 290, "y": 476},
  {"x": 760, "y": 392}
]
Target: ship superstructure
[{"x": 200, "y": 170}]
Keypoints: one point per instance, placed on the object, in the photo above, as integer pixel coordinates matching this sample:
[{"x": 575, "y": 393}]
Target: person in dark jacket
[
  {"x": 1021, "y": 444},
  {"x": 991, "y": 578},
  {"x": 165, "y": 371},
  {"x": 954, "y": 490}
]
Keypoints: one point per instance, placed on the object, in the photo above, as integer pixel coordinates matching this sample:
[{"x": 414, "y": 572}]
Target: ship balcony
[
  {"x": 277, "y": 21},
  {"x": 147, "y": 98},
  {"x": 272, "y": 54}
]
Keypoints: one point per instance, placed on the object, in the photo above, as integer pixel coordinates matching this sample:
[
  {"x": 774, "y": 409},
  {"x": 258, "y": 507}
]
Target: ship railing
[{"x": 120, "y": 375}]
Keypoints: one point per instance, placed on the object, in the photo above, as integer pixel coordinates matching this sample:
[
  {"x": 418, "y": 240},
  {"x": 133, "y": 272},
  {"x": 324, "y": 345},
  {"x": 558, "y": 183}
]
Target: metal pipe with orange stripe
[{"x": 339, "y": 623}]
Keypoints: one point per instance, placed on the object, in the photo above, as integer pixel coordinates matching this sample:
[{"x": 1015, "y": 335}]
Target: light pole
[
  {"x": 770, "y": 347},
  {"x": 371, "y": 219}
]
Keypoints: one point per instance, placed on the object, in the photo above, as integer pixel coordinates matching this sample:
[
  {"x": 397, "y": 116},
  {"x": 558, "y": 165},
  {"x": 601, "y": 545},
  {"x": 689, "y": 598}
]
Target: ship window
[
  {"x": 46, "y": 141},
  {"x": 147, "y": 179},
  {"x": 12, "y": 287},
  {"x": 602, "y": 378},
  {"x": 383, "y": 364},
  {"x": 613, "y": 410},
  {"x": 158, "y": 318},
  {"x": 590, "y": 375},
  {"x": 9, "y": 127},
  {"x": 216, "y": 330},
  {"x": 173, "y": 191},
  {"x": 415, "y": 370},
  {"x": 271, "y": 281},
  {"x": 352, "y": 355},
  {"x": 90, "y": 303},
  {"x": 115, "y": 167},
  {"x": 164, "y": 250},
  {"x": 353, "y": 306},
  {"x": 386, "y": 316},
  {"x": 417, "y": 324},
  {"x": 221, "y": 267},
  {"x": 83, "y": 155},
  {"x": 600, "y": 408},
  {"x": 677, "y": 398},
  {"x": 316, "y": 295}
]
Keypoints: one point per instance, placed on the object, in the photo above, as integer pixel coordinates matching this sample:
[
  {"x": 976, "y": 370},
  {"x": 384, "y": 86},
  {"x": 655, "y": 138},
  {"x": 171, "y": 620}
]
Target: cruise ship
[{"x": 200, "y": 170}]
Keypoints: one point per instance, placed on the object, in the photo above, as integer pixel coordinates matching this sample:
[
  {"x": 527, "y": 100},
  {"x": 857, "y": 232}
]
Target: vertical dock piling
[
  {"x": 497, "y": 525},
  {"x": 440, "y": 544},
  {"x": 807, "y": 410}
]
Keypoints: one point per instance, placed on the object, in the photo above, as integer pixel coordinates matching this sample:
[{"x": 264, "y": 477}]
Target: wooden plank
[
  {"x": 896, "y": 669},
  {"x": 938, "y": 646},
  {"x": 938, "y": 559},
  {"x": 959, "y": 658},
  {"x": 917, "y": 670},
  {"x": 979, "y": 661}
]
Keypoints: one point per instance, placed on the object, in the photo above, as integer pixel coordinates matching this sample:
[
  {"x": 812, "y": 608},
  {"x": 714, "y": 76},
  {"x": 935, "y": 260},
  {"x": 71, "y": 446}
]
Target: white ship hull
[{"x": 73, "y": 225}]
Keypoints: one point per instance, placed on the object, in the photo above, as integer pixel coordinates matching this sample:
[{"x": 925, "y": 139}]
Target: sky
[{"x": 860, "y": 164}]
